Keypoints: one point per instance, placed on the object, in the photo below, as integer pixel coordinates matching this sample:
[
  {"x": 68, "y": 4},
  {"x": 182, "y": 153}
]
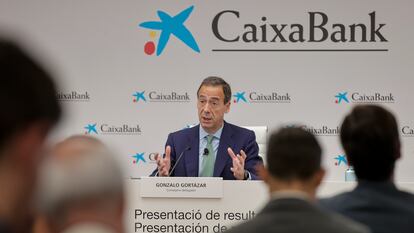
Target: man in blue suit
[
  {"x": 370, "y": 137},
  {"x": 214, "y": 148}
]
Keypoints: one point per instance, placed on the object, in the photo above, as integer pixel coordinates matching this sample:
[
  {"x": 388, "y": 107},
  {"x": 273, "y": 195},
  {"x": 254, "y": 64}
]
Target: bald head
[
  {"x": 76, "y": 146},
  {"x": 81, "y": 171}
]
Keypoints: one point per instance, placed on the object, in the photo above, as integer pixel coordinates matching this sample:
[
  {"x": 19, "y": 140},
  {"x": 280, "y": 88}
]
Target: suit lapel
[
  {"x": 222, "y": 155},
  {"x": 192, "y": 156}
]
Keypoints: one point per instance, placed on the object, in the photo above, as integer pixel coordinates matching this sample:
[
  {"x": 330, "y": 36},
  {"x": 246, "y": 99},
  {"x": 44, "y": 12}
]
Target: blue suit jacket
[
  {"x": 379, "y": 205},
  {"x": 237, "y": 138}
]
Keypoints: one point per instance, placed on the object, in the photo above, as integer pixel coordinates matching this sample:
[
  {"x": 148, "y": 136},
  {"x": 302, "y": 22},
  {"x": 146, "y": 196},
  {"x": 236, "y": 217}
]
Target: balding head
[
  {"x": 76, "y": 146},
  {"x": 80, "y": 176}
]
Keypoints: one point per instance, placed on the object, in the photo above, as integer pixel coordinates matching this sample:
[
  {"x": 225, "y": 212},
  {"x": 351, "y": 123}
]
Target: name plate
[{"x": 182, "y": 187}]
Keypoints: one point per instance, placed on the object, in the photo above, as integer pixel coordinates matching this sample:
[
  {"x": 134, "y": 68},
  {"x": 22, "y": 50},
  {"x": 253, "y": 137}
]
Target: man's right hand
[{"x": 164, "y": 164}]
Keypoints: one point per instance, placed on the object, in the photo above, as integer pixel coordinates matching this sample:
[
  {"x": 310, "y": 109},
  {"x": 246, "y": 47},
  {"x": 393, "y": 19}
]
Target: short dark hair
[
  {"x": 27, "y": 92},
  {"x": 293, "y": 153},
  {"x": 370, "y": 138},
  {"x": 217, "y": 81}
]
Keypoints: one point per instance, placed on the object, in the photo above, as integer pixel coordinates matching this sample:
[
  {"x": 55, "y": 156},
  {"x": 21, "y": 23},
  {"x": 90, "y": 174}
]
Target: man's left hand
[{"x": 238, "y": 163}]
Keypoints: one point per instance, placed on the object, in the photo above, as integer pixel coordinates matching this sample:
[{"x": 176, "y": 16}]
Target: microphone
[
  {"x": 178, "y": 160},
  {"x": 206, "y": 151}
]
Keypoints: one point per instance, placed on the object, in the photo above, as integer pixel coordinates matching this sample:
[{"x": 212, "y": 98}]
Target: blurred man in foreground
[
  {"x": 81, "y": 188},
  {"x": 29, "y": 109},
  {"x": 370, "y": 138},
  {"x": 293, "y": 175}
]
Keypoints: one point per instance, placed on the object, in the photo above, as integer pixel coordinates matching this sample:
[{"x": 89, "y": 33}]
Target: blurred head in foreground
[
  {"x": 81, "y": 188},
  {"x": 370, "y": 138},
  {"x": 29, "y": 109},
  {"x": 293, "y": 161}
]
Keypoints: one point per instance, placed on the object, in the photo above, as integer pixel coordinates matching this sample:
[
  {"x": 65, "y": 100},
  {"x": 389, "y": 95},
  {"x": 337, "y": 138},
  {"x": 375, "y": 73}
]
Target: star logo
[
  {"x": 239, "y": 96},
  {"x": 340, "y": 159},
  {"x": 139, "y": 95},
  {"x": 341, "y": 96},
  {"x": 91, "y": 128},
  {"x": 170, "y": 25},
  {"x": 138, "y": 157}
]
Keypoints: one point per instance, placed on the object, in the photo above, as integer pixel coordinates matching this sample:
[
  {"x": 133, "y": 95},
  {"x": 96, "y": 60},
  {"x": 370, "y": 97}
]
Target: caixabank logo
[
  {"x": 73, "y": 96},
  {"x": 257, "y": 97},
  {"x": 239, "y": 31},
  {"x": 407, "y": 131},
  {"x": 143, "y": 158},
  {"x": 168, "y": 26},
  {"x": 346, "y": 97},
  {"x": 340, "y": 160},
  {"x": 322, "y": 130},
  {"x": 160, "y": 96},
  {"x": 112, "y": 129},
  {"x": 138, "y": 158},
  {"x": 232, "y": 27}
]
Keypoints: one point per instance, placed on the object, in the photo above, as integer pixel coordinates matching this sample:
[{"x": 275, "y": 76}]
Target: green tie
[{"x": 207, "y": 165}]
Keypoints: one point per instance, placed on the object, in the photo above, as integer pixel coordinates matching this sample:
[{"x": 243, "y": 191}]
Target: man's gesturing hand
[
  {"x": 164, "y": 164},
  {"x": 238, "y": 163}
]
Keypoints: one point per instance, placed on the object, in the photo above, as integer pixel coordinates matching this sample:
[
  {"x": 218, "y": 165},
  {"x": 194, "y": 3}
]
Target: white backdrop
[{"x": 96, "y": 48}]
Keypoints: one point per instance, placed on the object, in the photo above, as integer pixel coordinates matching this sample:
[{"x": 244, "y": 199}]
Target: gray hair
[{"x": 92, "y": 174}]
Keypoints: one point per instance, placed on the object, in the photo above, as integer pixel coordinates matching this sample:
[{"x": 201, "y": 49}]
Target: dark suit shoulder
[
  {"x": 382, "y": 207},
  {"x": 389, "y": 198},
  {"x": 336, "y": 202},
  {"x": 296, "y": 216},
  {"x": 184, "y": 132},
  {"x": 234, "y": 128},
  {"x": 407, "y": 196},
  {"x": 343, "y": 224},
  {"x": 237, "y": 130}
]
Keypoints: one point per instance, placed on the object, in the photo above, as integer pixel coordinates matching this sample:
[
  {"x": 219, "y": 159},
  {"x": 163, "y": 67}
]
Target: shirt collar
[{"x": 217, "y": 134}]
